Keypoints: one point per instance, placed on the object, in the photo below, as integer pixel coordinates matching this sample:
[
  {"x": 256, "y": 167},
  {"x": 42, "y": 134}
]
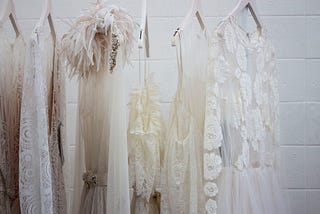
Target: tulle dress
[
  {"x": 12, "y": 54},
  {"x": 241, "y": 141},
  {"x": 97, "y": 48},
  {"x": 145, "y": 137},
  {"x": 181, "y": 175}
]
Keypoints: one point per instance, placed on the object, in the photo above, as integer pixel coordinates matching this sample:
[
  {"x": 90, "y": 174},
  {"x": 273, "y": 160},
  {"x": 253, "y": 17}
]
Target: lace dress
[
  {"x": 41, "y": 184},
  {"x": 181, "y": 176},
  {"x": 12, "y": 55},
  {"x": 145, "y": 135},
  {"x": 241, "y": 124},
  {"x": 97, "y": 48}
]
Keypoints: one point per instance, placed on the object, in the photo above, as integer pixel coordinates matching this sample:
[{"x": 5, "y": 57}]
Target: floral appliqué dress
[{"x": 241, "y": 138}]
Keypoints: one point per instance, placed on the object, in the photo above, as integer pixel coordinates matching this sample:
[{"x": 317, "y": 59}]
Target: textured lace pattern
[
  {"x": 144, "y": 141},
  {"x": 57, "y": 137},
  {"x": 40, "y": 182},
  {"x": 241, "y": 106},
  {"x": 11, "y": 73}
]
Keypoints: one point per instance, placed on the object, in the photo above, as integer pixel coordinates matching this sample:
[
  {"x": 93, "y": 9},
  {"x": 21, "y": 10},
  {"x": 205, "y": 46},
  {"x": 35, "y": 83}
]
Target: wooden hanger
[
  {"x": 251, "y": 5},
  {"x": 144, "y": 31},
  {"x": 9, "y": 12},
  {"x": 47, "y": 15},
  {"x": 194, "y": 10}
]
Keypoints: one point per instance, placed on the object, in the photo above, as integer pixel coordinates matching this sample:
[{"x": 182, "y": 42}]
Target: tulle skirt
[{"x": 250, "y": 191}]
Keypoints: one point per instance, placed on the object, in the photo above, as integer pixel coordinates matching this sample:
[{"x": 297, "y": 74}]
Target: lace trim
[
  {"x": 144, "y": 137},
  {"x": 212, "y": 142}
]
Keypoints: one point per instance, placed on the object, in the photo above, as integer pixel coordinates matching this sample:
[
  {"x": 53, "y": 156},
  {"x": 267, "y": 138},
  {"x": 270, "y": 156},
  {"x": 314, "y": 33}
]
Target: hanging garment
[
  {"x": 12, "y": 55},
  {"x": 181, "y": 176},
  {"x": 97, "y": 48},
  {"x": 241, "y": 124},
  {"x": 145, "y": 135},
  {"x": 41, "y": 184}
]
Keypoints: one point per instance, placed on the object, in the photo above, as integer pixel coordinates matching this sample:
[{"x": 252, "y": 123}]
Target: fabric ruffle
[{"x": 144, "y": 141}]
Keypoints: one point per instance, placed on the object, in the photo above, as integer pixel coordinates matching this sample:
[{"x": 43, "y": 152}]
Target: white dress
[
  {"x": 12, "y": 54},
  {"x": 97, "y": 48},
  {"x": 145, "y": 136},
  {"x": 241, "y": 124},
  {"x": 41, "y": 185},
  {"x": 181, "y": 175}
]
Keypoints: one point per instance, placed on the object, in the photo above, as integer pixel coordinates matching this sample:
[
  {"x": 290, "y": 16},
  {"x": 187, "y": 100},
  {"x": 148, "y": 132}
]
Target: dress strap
[
  {"x": 179, "y": 59},
  {"x": 145, "y": 69}
]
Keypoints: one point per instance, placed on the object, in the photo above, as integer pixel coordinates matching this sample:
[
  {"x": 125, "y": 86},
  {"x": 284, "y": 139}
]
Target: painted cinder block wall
[{"x": 294, "y": 28}]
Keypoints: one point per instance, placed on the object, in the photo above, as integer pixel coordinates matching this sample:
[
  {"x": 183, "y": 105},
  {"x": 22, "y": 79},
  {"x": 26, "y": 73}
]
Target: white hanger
[
  {"x": 251, "y": 4},
  {"x": 9, "y": 11},
  {"x": 144, "y": 31},
  {"x": 194, "y": 10},
  {"x": 47, "y": 15}
]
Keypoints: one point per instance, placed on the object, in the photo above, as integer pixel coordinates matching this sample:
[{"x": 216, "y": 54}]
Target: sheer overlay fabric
[
  {"x": 181, "y": 176},
  {"x": 97, "y": 48}
]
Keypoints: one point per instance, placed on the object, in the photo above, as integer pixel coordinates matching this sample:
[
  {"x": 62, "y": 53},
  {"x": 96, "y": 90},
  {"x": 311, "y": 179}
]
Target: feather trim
[{"x": 93, "y": 42}]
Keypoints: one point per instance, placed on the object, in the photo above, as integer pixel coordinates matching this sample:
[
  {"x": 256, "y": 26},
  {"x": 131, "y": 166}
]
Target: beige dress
[{"x": 12, "y": 54}]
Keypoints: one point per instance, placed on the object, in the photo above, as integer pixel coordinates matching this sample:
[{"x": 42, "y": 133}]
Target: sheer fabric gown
[
  {"x": 182, "y": 177},
  {"x": 97, "y": 48},
  {"x": 241, "y": 141}
]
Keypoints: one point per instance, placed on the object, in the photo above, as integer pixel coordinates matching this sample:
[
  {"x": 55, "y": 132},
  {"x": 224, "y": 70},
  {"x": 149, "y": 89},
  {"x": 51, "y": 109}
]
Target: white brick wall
[{"x": 294, "y": 27}]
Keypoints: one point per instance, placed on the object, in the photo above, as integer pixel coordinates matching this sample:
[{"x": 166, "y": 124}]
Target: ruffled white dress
[
  {"x": 241, "y": 124},
  {"x": 181, "y": 175},
  {"x": 12, "y": 55},
  {"x": 145, "y": 136},
  {"x": 97, "y": 48}
]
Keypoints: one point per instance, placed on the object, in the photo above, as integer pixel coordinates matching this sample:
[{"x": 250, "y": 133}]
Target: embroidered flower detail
[
  {"x": 89, "y": 178},
  {"x": 242, "y": 57},
  {"x": 255, "y": 128},
  {"x": 246, "y": 89},
  {"x": 239, "y": 163},
  {"x": 212, "y": 166},
  {"x": 259, "y": 94},
  {"x": 222, "y": 70},
  {"x": 211, "y": 206},
  {"x": 211, "y": 189},
  {"x": 245, "y": 153},
  {"x": 230, "y": 39},
  {"x": 260, "y": 61},
  {"x": 237, "y": 73},
  {"x": 243, "y": 133},
  {"x": 236, "y": 112},
  {"x": 213, "y": 134},
  {"x": 243, "y": 159}
]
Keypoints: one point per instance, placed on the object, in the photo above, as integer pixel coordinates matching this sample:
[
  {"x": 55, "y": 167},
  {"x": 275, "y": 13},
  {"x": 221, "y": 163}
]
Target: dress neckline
[{"x": 251, "y": 40}]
